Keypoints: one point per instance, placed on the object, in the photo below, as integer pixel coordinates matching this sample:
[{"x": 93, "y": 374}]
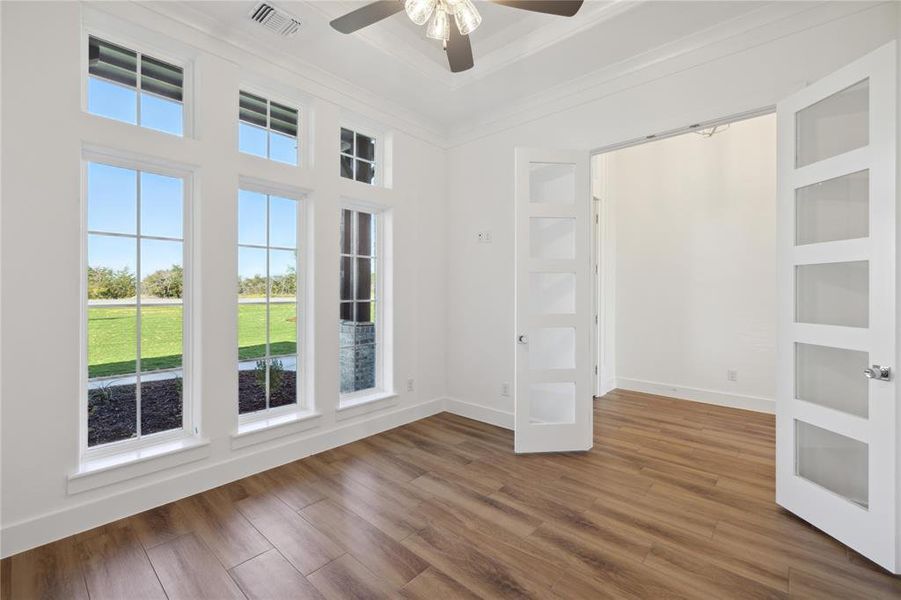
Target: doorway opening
[{"x": 686, "y": 286}]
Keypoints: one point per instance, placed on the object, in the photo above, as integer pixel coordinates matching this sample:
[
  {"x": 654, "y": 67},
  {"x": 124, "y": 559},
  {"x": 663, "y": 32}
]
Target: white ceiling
[{"x": 517, "y": 53}]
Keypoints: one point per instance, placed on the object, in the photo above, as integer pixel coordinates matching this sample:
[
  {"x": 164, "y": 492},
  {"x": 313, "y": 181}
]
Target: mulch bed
[
  {"x": 252, "y": 395},
  {"x": 111, "y": 412}
]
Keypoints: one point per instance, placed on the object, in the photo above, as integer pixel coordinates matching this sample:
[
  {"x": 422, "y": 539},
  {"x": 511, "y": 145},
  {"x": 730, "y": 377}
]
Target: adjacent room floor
[{"x": 675, "y": 500}]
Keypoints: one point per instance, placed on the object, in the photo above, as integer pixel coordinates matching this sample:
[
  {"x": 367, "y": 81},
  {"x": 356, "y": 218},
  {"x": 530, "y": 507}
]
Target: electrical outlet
[
  {"x": 505, "y": 389},
  {"x": 732, "y": 375},
  {"x": 410, "y": 385}
]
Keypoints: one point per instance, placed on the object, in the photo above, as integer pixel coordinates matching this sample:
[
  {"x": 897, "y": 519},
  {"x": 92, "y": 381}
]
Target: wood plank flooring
[{"x": 674, "y": 501}]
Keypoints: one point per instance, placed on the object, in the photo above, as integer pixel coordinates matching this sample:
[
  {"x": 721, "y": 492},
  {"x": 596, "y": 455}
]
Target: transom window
[
  {"x": 128, "y": 86},
  {"x": 268, "y": 306},
  {"x": 358, "y": 156},
  {"x": 359, "y": 302},
  {"x": 267, "y": 129},
  {"x": 135, "y": 304}
]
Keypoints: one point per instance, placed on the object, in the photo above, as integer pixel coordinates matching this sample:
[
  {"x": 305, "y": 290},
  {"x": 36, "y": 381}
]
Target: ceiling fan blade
[
  {"x": 563, "y": 8},
  {"x": 367, "y": 15},
  {"x": 459, "y": 51}
]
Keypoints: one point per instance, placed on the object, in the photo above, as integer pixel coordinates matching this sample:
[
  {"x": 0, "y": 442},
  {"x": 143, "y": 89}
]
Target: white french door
[
  {"x": 553, "y": 393},
  {"x": 836, "y": 421}
]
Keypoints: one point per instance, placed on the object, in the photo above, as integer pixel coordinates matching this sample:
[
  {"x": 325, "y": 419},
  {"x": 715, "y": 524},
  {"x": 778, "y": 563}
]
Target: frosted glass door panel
[
  {"x": 832, "y": 377},
  {"x": 552, "y": 237},
  {"x": 833, "y": 293},
  {"x": 552, "y": 402},
  {"x": 552, "y": 348},
  {"x": 552, "y": 293},
  {"x": 833, "y": 461},
  {"x": 834, "y": 125},
  {"x": 552, "y": 183},
  {"x": 837, "y": 209}
]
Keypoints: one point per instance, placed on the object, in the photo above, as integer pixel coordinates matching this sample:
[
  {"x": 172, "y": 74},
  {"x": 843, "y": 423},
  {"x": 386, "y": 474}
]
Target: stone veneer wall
[{"x": 357, "y": 364}]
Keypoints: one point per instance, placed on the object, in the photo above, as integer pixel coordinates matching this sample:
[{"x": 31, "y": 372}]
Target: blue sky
[
  {"x": 252, "y": 220},
  {"x": 113, "y": 205},
  {"x": 121, "y": 103},
  {"x": 252, "y": 140},
  {"x": 252, "y": 230},
  {"x": 112, "y": 208}
]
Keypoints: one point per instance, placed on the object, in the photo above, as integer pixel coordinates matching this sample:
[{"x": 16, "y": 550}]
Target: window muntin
[
  {"x": 135, "y": 304},
  {"x": 359, "y": 302},
  {"x": 267, "y": 129},
  {"x": 358, "y": 159},
  {"x": 268, "y": 305},
  {"x": 128, "y": 86}
]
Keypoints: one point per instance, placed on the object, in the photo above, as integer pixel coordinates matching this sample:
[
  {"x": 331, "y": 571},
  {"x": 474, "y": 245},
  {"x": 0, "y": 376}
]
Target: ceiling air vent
[{"x": 274, "y": 20}]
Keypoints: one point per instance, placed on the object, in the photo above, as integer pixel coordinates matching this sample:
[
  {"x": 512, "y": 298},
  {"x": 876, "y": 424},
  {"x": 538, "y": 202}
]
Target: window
[
  {"x": 357, "y": 156},
  {"x": 267, "y": 129},
  {"x": 135, "y": 88},
  {"x": 268, "y": 305},
  {"x": 360, "y": 299},
  {"x": 135, "y": 304}
]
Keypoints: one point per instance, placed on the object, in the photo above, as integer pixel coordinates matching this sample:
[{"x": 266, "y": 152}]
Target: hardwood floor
[{"x": 674, "y": 501}]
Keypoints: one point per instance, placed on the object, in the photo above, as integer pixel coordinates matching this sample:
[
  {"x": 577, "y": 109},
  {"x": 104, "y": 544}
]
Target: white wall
[
  {"x": 695, "y": 252},
  {"x": 752, "y": 70},
  {"x": 44, "y": 130}
]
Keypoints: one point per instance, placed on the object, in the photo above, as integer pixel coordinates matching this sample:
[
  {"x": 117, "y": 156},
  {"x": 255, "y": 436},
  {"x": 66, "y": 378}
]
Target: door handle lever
[
  {"x": 522, "y": 339},
  {"x": 878, "y": 372}
]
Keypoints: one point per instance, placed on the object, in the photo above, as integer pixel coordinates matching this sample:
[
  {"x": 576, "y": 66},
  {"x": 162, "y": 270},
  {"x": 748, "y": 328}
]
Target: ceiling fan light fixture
[
  {"x": 419, "y": 11},
  {"x": 466, "y": 16},
  {"x": 439, "y": 26}
]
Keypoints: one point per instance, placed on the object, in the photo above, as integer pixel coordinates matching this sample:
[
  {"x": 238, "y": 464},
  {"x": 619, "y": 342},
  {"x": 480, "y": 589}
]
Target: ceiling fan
[{"x": 463, "y": 12}]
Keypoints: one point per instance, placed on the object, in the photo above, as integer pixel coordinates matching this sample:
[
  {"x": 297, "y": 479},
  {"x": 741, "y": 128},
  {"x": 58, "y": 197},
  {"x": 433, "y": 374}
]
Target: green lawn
[{"x": 112, "y": 342}]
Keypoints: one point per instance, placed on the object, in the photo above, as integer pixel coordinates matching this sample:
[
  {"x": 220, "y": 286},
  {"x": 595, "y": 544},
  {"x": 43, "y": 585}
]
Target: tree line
[{"x": 105, "y": 283}]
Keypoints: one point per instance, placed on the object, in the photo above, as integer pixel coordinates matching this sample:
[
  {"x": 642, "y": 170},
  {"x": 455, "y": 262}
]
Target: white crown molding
[
  {"x": 766, "y": 24},
  {"x": 198, "y": 30}
]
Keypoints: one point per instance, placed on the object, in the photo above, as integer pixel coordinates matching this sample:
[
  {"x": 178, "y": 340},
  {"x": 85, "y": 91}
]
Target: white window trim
[
  {"x": 304, "y": 161},
  {"x": 384, "y": 384},
  {"x": 379, "y": 160},
  {"x": 190, "y": 422},
  {"x": 107, "y": 470},
  {"x": 273, "y": 427},
  {"x": 303, "y": 409},
  {"x": 138, "y": 45}
]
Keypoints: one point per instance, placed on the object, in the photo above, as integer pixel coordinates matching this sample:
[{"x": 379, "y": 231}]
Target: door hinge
[
  {"x": 595, "y": 369},
  {"x": 595, "y": 319},
  {"x": 597, "y": 219}
]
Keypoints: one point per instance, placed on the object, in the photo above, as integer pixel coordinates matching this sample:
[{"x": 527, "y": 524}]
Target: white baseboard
[
  {"x": 23, "y": 535},
  {"x": 476, "y": 412},
  {"x": 755, "y": 403}
]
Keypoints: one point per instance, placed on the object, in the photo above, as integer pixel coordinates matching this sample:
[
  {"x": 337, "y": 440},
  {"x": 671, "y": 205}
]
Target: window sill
[
  {"x": 257, "y": 431},
  {"x": 107, "y": 470},
  {"x": 361, "y": 405}
]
